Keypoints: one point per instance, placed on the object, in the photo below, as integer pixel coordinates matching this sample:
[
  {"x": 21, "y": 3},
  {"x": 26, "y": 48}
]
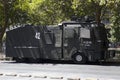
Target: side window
[
  {"x": 48, "y": 37},
  {"x": 69, "y": 33},
  {"x": 58, "y": 38}
]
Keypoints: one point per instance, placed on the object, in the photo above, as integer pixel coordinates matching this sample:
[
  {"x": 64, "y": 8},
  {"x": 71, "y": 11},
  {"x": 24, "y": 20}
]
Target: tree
[
  {"x": 4, "y": 17},
  {"x": 53, "y": 12},
  {"x": 48, "y": 12},
  {"x": 96, "y": 8},
  {"x": 115, "y": 19},
  {"x": 11, "y": 14}
]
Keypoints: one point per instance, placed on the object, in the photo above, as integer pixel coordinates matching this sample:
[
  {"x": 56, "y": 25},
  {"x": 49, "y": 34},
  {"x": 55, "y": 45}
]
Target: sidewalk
[
  {"x": 2, "y": 53},
  {"x": 2, "y": 56}
]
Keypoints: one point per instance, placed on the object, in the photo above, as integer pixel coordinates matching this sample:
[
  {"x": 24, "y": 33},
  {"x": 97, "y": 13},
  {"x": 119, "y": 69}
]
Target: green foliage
[
  {"x": 48, "y": 12},
  {"x": 116, "y": 22},
  {"x": 1, "y": 14},
  {"x": 53, "y": 12}
]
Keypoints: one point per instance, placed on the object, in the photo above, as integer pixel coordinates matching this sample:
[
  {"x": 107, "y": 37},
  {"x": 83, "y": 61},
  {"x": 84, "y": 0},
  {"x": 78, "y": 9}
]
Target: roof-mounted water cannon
[{"x": 83, "y": 19}]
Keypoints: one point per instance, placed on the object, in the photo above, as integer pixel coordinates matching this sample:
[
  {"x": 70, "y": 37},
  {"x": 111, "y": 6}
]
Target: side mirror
[
  {"x": 61, "y": 27},
  {"x": 108, "y": 32}
]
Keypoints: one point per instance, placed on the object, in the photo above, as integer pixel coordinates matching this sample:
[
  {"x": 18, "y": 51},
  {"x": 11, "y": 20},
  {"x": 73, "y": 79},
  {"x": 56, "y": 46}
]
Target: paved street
[{"x": 48, "y": 71}]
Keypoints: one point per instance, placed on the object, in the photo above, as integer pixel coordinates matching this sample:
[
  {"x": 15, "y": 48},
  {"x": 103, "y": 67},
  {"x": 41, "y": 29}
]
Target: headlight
[{"x": 87, "y": 43}]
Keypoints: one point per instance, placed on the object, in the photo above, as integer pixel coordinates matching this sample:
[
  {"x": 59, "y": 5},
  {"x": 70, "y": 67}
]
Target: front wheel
[{"x": 79, "y": 58}]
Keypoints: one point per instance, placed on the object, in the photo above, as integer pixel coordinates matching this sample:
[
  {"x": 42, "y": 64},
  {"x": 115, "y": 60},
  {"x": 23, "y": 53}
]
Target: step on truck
[{"x": 79, "y": 41}]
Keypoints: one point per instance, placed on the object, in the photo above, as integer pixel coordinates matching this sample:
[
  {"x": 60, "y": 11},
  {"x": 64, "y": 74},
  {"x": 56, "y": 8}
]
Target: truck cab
[{"x": 84, "y": 41}]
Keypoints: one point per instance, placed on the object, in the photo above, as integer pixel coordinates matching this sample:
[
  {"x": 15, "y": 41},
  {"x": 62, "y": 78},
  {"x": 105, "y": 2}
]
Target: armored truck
[{"x": 71, "y": 40}]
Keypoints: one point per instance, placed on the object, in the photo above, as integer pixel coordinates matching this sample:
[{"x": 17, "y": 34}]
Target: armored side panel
[
  {"x": 34, "y": 42},
  {"x": 51, "y": 42},
  {"x": 23, "y": 42}
]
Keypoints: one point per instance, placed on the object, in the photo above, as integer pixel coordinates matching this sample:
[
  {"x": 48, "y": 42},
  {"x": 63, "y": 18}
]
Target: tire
[
  {"x": 19, "y": 60},
  {"x": 32, "y": 60},
  {"x": 79, "y": 58}
]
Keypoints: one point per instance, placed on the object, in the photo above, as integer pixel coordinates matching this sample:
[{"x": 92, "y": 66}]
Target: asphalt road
[{"x": 10, "y": 70}]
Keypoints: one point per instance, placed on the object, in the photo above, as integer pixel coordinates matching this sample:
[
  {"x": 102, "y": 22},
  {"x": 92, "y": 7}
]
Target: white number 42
[{"x": 37, "y": 35}]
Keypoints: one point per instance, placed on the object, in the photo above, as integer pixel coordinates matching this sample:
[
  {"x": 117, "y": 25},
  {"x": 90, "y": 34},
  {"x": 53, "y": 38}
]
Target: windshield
[{"x": 84, "y": 33}]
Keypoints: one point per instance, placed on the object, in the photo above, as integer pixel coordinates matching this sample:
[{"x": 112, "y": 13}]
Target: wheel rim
[{"x": 79, "y": 58}]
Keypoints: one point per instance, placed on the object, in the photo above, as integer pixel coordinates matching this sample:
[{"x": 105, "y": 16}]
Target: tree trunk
[
  {"x": 5, "y": 25},
  {"x": 98, "y": 11},
  {"x": 98, "y": 14}
]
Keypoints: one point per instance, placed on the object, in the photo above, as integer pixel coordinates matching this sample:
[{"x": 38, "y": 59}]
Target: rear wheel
[
  {"x": 19, "y": 60},
  {"x": 33, "y": 60},
  {"x": 79, "y": 58}
]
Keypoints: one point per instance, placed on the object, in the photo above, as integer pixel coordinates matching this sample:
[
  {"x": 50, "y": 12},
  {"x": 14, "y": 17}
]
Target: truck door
[
  {"x": 69, "y": 41},
  {"x": 63, "y": 41}
]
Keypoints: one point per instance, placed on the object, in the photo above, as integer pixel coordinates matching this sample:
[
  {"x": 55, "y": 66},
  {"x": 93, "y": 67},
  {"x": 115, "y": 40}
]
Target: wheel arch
[{"x": 79, "y": 55}]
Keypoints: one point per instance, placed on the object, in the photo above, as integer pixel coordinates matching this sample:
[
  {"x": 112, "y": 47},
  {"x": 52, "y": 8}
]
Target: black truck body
[{"x": 77, "y": 41}]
